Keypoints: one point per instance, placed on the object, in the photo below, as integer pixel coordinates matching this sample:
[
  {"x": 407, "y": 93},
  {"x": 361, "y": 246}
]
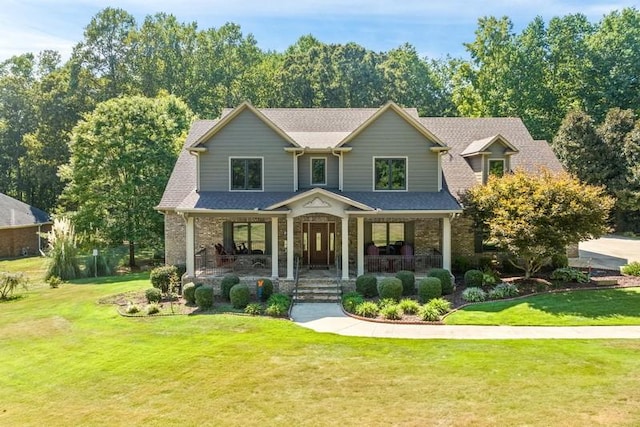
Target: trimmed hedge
[
  {"x": 367, "y": 285},
  {"x": 153, "y": 295},
  {"x": 267, "y": 288},
  {"x": 473, "y": 278},
  {"x": 445, "y": 279},
  {"x": 429, "y": 288},
  {"x": 390, "y": 287},
  {"x": 164, "y": 277},
  {"x": 227, "y": 283},
  {"x": 239, "y": 295},
  {"x": 408, "y": 280},
  {"x": 204, "y": 296},
  {"x": 189, "y": 292}
]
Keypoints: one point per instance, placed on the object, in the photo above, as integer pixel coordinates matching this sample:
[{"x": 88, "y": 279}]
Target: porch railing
[
  {"x": 208, "y": 263},
  {"x": 395, "y": 263}
]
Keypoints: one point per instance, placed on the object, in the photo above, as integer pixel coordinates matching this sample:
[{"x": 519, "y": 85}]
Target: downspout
[
  {"x": 295, "y": 169},
  {"x": 340, "y": 167},
  {"x": 196, "y": 154}
]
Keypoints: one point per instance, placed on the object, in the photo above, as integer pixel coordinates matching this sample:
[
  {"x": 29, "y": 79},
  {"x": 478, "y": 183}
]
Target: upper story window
[
  {"x": 318, "y": 171},
  {"x": 390, "y": 173},
  {"x": 496, "y": 167},
  {"x": 246, "y": 173}
]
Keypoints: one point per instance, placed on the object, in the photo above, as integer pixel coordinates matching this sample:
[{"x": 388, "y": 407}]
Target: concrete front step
[
  {"x": 317, "y": 292},
  {"x": 316, "y": 298}
]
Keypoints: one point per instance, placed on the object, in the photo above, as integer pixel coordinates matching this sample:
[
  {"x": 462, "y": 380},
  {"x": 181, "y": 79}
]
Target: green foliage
[
  {"x": 227, "y": 283},
  {"x": 239, "y": 295},
  {"x": 460, "y": 264},
  {"x": 408, "y": 280},
  {"x": 132, "y": 308},
  {"x": 278, "y": 305},
  {"x": 367, "y": 309},
  {"x": 383, "y": 302},
  {"x": 390, "y": 287},
  {"x": 267, "y": 288},
  {"x": 559, "y": 261},
  {"x": 164, "y": 278},
  {"x": 54, "y": 282},
  {"x": 153, "y": 308},
  {"x": 473, "y": 278},
  {"x": 391, "y": 312},
  {"x": 408, "y": 306},
  {"x": 153, "y": 295},
  {"x": 445, "y": 279},
  {"x": 62, "y": 250},
  {"x": 546, "y": 213},
  {"x": 503, "y": 290},
  {"x": 441, "y": 305},
  {"x": 204, "y": 297},
  {"x": 189, "y": 292},
  {"x": 351, "y": 300},
  {"x": 474, "y": 294},
  {"x": 428, "y": 288},
  {"x": 367, "y": 285},
  {"x": 253, "y": 309},
  {"x": 632, "y": 269},
  {"x": 569, "y": 274},
  {"x": 429, "y": 313},
  {"x": 107, "y": 262},
  {"x": 10, "y": 282}
]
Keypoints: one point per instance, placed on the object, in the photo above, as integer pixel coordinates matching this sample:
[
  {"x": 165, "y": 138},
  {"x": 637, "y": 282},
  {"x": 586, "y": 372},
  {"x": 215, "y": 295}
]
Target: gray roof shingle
[{"x": 14, "y": 213}]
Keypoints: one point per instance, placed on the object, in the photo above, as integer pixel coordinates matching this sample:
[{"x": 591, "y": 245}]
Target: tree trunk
[{"x": 132, "y": 254}]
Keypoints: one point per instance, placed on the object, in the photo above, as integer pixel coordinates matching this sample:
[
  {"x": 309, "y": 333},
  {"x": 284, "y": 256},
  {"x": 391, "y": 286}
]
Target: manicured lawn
[
  {"x": 33, "y": 267},
  {"x": 67, "y": 360},
  {"x": 577, "y": 308}
]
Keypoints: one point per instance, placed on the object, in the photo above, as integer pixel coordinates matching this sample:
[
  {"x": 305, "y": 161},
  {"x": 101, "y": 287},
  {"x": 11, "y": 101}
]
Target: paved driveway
[{"x": 608, "y": 252}]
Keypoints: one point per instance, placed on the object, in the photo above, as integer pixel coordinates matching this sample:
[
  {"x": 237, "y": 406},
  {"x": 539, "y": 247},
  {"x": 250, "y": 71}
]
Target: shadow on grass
[
  {"x": 585, "y": 303},
  {"x": 12, "y": 298},
  {"x": 110, "y": 279}
]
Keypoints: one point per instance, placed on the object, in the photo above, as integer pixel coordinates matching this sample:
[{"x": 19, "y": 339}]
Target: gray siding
[
  {"x": 476, "y": 164},
  {"x": 304, "y": 170},
  {"x": 497, "y": 152},
  {"x": 391, "y": 136},
  {"x": 246, "y": 136}
]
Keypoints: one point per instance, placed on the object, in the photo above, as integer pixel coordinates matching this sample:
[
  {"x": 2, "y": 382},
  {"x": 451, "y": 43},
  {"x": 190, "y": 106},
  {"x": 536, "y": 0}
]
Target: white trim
[
  {"x": 345, "y": 248},
  {"x": 360, "y": 260},
  {"x": 322, "y": 191},
  {"x": 290, "y": 237},
  {"x": 261, "y": 170},
  {"x": 230, "y": 211},
  {"x": 406, "y": 173},
  {"x": 190, "y": 246},
  {"x": 496, "y": 159},
  {"x": 340, "y": 166},
  {"x": 404, "y": 212},
  {"x": 296, "y": 170},
  {"x": 311, "y": 159},
  {"x": 274, "y": 247},
  {"x": 446, "y": 243},
  {"x": 439, "y": 171}
]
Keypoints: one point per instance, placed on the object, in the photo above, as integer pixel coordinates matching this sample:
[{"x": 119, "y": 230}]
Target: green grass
[
  {"x": 577, "y": 308},
  {"x": 33, "y": 267},
  {"x": 67, "y": 360}
]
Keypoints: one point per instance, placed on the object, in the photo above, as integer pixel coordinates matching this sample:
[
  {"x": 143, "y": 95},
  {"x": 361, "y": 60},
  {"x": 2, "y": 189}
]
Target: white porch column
[
  {"x": 274, "y": 247},
  {"x": 289, "y": 248},
  {"x": 360, "y": 245},
  {"x": 446, "y": 243},
  {"x": 345, "y": 248},
  {"x": 190, "y": 243}
]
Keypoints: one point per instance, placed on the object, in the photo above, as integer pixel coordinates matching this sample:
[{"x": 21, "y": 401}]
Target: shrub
[
  {"x": 62, "y": 252},
  {"x": 133, "y": 308},
  {"x": 367, "y": 309},
  {"x": 367, "y": 285},
  {"x": 204, "y": 296},
  {"x": 569, "y": 275},
  {"x": 409, "y": 306},
  {"x": 189, "y": 292},
  {"x": 239, "y": 295},
  {"x": 489, "y": 278},
  {"x": 503, "y": 290},
  {"x": 54, "y": 282},
  {"x": 441, "y": 305},
  {"x": 278, "y": 305},
  {"x": 391, "y": 312},
  {"x": 473, "y": 278},
  {"x": 632, "y": 269},
  {"x": 383, "y": 302},
  {"x": 460, "y": 264},
  {"x": 351, "y": 300},
  {"x": 9, "y": 282},
  {"x": 227, "y": 283},
  {"x": 474, "y": 294},
  {"x": 153, "y": 295},
  {"x": 253, "y": 309},
  {"x": 559, "y": 261},
  {"x": 164, "y": 278},
  {"x": 445, "y": 279},
  {"x": 408, "y": 280},
  {"x": 429, "y": 313},
  {"x": 429, "y": 287},
  {"x": 390, "y": 287},
  {"x": 153, "y": 308},
  {"x": 267, "y": 289}
]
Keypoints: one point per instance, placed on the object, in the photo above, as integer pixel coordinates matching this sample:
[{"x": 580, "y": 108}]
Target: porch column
[
  {"x": 289, "y": 248},
  {"x": 446, "y": 243},
  {"x": 190, "y": 243},
  {"x": 360, "y": 246},
  {"x": 274, "y": 247},
  {"x": 345, "y": 248}
]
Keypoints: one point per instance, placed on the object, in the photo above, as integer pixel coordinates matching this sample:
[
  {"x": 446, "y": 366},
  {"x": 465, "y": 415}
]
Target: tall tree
[{"x": 121, "y": 157}]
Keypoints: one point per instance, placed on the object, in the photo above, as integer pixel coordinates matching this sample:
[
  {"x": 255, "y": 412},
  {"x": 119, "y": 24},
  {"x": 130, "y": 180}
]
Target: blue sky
[{"x": 435, "y": 27}]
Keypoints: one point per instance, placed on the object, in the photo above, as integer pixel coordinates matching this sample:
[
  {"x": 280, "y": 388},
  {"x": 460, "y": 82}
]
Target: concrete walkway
[{"x": 330, "y": 318}]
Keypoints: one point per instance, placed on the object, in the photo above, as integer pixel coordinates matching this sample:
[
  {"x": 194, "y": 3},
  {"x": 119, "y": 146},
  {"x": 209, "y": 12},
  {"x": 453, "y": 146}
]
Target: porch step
[{"x": 317, "y": 292}]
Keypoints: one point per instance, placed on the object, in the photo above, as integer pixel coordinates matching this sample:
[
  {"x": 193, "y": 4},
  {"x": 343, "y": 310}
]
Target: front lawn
[
  {"x": 67, "y": 360},
  {"x": 619, "y": 306}
]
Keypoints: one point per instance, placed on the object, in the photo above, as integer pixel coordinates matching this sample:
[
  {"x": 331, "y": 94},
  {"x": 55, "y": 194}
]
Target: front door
[{"x": 319, "y": 244}]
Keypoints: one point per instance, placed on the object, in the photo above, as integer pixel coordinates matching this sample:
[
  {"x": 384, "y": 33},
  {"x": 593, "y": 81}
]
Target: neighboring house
[
  {"x": 352, "y": 190},
  {"x": 20, "y": 228}
]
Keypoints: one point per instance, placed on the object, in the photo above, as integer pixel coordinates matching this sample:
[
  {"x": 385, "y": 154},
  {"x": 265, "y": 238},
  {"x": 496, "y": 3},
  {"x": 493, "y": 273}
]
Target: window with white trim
[
  {"x": 390, "y": 173},
  {"x": 318, "y": 171}
]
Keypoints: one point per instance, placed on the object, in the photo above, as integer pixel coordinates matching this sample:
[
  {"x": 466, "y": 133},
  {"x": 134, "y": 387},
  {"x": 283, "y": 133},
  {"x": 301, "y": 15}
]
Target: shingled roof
[{"x": 14, "y": 213}]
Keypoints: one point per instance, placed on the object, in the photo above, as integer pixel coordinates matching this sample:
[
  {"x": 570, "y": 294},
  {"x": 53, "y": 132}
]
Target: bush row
[{"x": 391, "y": 309}]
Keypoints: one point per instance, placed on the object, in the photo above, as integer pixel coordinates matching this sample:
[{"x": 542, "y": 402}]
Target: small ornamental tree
[{"x": 536, "y": 216}]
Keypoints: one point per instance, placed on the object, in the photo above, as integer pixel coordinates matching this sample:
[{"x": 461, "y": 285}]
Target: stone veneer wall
[{"x": 175, "y": 251}]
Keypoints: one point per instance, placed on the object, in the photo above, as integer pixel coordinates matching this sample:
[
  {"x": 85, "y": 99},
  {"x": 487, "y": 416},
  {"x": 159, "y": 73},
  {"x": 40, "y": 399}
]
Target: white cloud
[{"x": 17, "y": 40}]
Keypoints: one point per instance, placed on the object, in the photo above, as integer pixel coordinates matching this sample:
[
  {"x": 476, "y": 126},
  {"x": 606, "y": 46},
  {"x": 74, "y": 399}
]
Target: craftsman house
[
  {"x": 20, "y": 228},
  {"x": 265, "y": 192}
]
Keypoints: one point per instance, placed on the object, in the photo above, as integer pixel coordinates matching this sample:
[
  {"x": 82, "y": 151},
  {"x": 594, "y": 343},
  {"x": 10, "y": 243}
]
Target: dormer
[{"x": 489, "y": 156}]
